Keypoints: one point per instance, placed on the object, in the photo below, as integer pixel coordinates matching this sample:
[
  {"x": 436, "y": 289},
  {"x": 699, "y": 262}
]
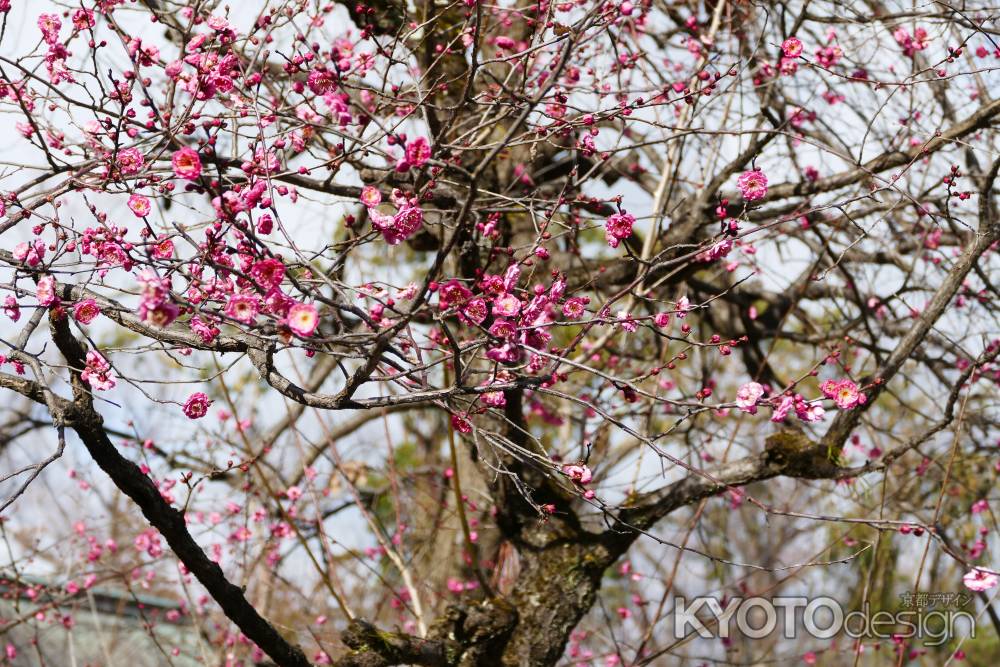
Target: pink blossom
[
  {"x": 748, "y": 395},
  {"x": 575, "y": 307},
  {"x": 85, "y": 311},
  {"x": 418, "y": 151},
  {"x": 579, "y": 473},
  {"x": 196, "y": 406},
  {"x": 461, "y": 424},
  {"x": 30, "y": 254},
  {"x": 911, "y": 44},
  {"x": 370, "y": 196},
  {"x": 303, "y": 319},
  {"x": 847, "y": 395},
  {"x": 780, "y": 412},
  {"x": 187, "y": 164},
  {"x": 243, "y": 308},
  {"x": 716, "y": 251},
  {"x": 396, "y": 229},
  {"x": 506, "y": 305},
  {"x": 829, "y": 388},
  {"x": 268, "y": 273},
  {"x": 502, "y": 328},
  {"x": 476, "y": 310},
  {"x": 510, "y": 277},
  {"x": 809, "y": 411},
  {"x": 83, "y": 18},
  {"x": 49, "y": 24},
  {"x": 791, "y": 47},
  {"x": 626, "y": 321},
  {"x": 163, "y": 248},
  {"x": 828, "y": 56},
  {"x": 97, "y": 372},
  {"x": 752, "y": 184},
  {"x": 11, "y": 308},
  {"x": 206, "y": 332},
  {"x": 506, "y": 353},
  {"x": 618, "y": 227},
  {"x": 154, "y": 305},
  {"x": 320, "y": 81},
  {"x": 45, "y": 291},
  {"x": 494, "y": 399},
  {"x": 139, "y": 205},
  {"x": 265, "y": 224},
  {"x": 978, "y": 579},
  {"x": 405, "y": 223},
  {"x": 129, "y": 161},
  {"x": 162, "y": 314},
  {"x": 452, "y": 293}
]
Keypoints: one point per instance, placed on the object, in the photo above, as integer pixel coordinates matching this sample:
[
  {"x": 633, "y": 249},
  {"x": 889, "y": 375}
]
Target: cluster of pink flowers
[
  {"x": 55, "y": 58},
  {"x": 268, "y": 273},
  {"x": 244, "y": 197},
  {"x": 911, "y": 43},
  {"x": 752, "y": 185},
  {"x": 196, "y": 406},
  {"x": 11, "y": 308},
  {"x": 977, "y": 579},
  {"x": 519, "y": 321},
  {"x": 844, "y": 393},
  {"x": 418, "y": 151},
  {"x": 580, "y": 475},
  {"x": 97, "y": 372},
  {"x": 155, "y": 306},
  {"x": 748, "y": 395},
  {"x": 215, "y": 72},
  {"x": 107, "y": 243},
  {"x": 264, "y": 161},
  {"x": 396, "y": 228},
  {"x": 830, "y": 55},
  {"x": 45, "y": 291},
  {"x": 149, "y": 542},
  {"x": 791, "y": 49},
  {"x": 618, "y": 227},
  {"x": 716, "y": 251},
  {"x": 144, "y": 54},
  {"x": 50, "y": 25},
  {"x": 129, "y": 161},
  {"x": 321, "y": 80},
  {"x": 807, "y": 411},
  {"x": 30, "y": 253},
  {"x": 207, "y": 332}
]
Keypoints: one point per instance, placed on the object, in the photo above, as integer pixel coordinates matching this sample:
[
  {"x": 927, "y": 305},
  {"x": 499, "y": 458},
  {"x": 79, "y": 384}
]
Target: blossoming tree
[{"x": 469, "y": 333}]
